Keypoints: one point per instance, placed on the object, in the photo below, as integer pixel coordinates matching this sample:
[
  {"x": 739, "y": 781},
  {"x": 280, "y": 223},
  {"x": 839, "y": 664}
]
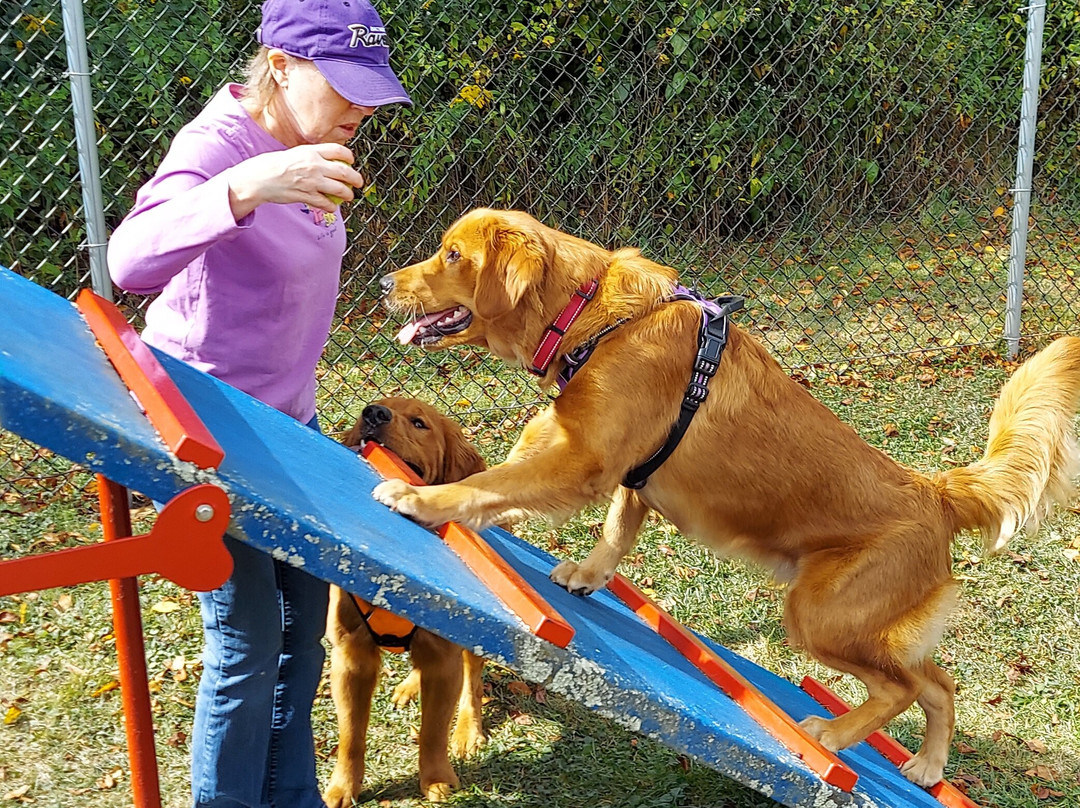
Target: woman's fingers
[{"x": 308, "y": 174}]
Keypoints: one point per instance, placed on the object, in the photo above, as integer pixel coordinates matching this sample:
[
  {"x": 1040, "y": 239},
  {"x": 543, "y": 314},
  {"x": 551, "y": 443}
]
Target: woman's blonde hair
[{"x": 259, "y": 84}]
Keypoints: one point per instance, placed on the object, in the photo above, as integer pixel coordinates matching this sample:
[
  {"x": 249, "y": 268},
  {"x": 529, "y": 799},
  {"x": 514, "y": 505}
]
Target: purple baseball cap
[{"x": 345, "y": 39}]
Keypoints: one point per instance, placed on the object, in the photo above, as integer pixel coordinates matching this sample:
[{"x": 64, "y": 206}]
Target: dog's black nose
[
  {"x": 375, "y": 415},
  {"x": 386, "y": 283}
]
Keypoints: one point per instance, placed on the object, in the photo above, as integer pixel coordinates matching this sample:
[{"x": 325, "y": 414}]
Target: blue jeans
[{"x": 252, "y": 744}]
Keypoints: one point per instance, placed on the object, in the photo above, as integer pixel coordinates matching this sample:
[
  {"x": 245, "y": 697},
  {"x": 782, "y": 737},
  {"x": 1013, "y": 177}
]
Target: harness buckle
[
  {"x": 590, "y": 293},
  {"x": 706, "y": 365},
  {"x": 696, "y": 393}
]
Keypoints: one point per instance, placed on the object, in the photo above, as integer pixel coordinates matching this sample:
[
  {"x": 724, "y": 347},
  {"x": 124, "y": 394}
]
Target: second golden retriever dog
[
  {"x": 446, "y": 676},
  {"x": 764, "y": 470}
]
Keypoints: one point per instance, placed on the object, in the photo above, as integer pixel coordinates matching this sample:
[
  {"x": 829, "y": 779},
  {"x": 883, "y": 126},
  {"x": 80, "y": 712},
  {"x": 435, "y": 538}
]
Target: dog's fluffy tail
[{"x": 1031, "y": 458}]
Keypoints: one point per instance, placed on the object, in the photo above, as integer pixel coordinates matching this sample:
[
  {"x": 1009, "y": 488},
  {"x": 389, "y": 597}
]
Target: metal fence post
[
  {"x": 86, "y": 138},
  {"x": 1022, "y": 192}
]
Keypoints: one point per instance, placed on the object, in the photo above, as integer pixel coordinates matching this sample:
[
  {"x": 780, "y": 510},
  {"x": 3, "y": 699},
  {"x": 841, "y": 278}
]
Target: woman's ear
[
  {"x": 279, "y": 63},
  {"x": 515, "y": 265}
]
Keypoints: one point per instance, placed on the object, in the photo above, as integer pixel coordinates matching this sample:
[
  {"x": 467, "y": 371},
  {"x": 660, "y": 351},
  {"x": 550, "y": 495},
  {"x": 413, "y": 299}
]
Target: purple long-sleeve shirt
[{"x": 250, "y": 302}]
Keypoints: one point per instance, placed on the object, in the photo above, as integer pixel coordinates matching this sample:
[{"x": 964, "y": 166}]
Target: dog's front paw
[
  {"x": 343, "y": 790},
  {"x": 399, "y": 496},
  {"x": 392, "y": 492},
  {"x": 407, "y": 690},
  {"x": 578, "y": 579},
  {"x": 467, "y": 740},
  {"x": 439, "y": 787},
  {"x": 408, "y": 501},
  {"x": 563, "y": 572}
]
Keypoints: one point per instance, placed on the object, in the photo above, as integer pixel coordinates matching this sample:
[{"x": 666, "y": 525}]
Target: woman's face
[{"x": 306, "y": 109}]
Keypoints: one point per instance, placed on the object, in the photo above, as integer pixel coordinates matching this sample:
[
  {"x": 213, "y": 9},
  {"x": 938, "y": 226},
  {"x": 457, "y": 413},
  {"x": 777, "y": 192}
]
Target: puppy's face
[
  {"x": 429, "y": 442},
  {"x": 488, "y": 266}
]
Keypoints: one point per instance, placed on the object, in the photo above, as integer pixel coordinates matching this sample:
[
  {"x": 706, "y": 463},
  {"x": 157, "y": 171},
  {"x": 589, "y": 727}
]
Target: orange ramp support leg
[
  {"x": 130, "y": 654},
  {"x": 184, "y": 546}
]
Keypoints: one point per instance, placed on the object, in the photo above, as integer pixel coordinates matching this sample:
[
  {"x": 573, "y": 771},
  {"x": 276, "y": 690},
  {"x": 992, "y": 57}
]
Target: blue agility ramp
[{"x": 304, "y": 498}]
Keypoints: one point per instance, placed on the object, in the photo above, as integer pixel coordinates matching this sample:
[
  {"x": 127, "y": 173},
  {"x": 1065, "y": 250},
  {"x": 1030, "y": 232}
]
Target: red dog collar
[{"x": 554, "y": 333}]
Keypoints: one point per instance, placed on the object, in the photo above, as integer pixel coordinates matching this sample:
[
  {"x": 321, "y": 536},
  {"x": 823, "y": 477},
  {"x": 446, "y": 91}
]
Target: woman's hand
[{"x": 301, "y": 174}]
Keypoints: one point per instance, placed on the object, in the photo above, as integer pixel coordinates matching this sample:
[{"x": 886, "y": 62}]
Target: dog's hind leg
[
  {"x": 407, "y": 690},
  {"x": 831, "y": 614},
  {"x": 888, "y": 695},
  {"x": 355, "y": 662},
  {"x": 937, "y": 698},
  {"x": 469, "y": 734},
  {"x": 621, "y": 528},
  {"x": 440, "y": 665}
]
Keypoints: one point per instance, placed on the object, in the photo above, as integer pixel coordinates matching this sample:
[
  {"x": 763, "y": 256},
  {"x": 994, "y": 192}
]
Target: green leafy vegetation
[{"x": 667, "y": 122}]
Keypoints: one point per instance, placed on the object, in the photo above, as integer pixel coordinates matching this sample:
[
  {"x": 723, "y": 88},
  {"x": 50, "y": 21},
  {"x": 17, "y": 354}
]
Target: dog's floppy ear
[
  {"x": 461, "y": 458},
  {"x": 516, "y": 264}
]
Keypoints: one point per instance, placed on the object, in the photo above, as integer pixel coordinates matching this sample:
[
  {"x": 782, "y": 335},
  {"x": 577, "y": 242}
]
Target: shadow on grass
[
  {"x": 999, "y": 769},
  {"x": 591, "y": 762}
]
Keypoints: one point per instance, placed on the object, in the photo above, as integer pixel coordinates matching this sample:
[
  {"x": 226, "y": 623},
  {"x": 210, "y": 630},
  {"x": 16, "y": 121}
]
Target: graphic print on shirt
[{"x": 319, "y": 216}]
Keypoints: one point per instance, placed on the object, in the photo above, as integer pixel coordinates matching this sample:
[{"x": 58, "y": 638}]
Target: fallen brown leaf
[
  {"x": 17, "y": 794},
  {"x": 519, "y": 687},
  {"x": 1044, "y": 793}
]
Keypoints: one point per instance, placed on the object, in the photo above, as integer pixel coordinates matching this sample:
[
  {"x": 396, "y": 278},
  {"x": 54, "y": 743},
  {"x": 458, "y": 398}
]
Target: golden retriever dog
[
  {"x": 445, "y": 675},
  {"x": 764, "y": 471}
]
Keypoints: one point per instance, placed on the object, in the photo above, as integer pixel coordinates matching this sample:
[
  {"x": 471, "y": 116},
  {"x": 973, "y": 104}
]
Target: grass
[{"x": 1012, "y": 647}]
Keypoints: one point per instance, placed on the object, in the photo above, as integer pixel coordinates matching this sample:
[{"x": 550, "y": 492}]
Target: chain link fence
[{"x": 850, "y": 167}]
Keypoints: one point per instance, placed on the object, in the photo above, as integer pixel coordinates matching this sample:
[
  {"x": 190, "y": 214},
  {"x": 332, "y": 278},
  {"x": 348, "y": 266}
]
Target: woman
[{"x": 238, "y": 234}]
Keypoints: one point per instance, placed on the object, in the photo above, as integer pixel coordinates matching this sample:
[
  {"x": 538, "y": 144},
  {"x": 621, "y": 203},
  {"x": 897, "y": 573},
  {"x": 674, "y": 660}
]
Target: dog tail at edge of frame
[{"x": 1031, "y": 459}]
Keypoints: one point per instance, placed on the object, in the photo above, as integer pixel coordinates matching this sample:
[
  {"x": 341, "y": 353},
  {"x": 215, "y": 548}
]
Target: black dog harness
[{"x": 712, "y": 339}]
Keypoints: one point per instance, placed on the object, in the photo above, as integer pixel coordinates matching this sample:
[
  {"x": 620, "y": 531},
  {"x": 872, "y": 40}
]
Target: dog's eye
[
  {"x": 453, "y": 256},
  {"x": 419, "y": 424}
]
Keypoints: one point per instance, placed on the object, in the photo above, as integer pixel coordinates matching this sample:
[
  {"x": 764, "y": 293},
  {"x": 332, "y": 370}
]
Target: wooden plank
[
  {"x": 944, "y": 792},
  {"x": 166, "y": 408},
  {"x": 762, "y": 709},
  {"x": 502, "y": 579}
]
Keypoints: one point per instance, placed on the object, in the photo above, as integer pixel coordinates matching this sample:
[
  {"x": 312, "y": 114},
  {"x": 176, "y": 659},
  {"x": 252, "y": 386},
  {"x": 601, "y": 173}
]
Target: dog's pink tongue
[{"x": 408, "y": 333}]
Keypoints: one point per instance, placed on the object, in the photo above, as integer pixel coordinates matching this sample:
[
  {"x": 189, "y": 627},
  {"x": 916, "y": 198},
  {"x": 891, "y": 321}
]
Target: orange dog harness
[{"x": 387, "y": 629}]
